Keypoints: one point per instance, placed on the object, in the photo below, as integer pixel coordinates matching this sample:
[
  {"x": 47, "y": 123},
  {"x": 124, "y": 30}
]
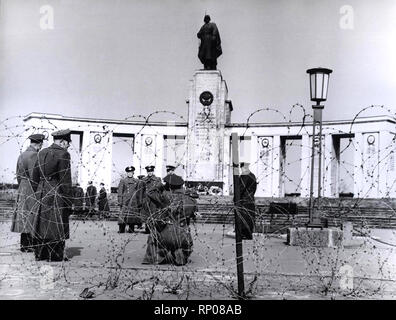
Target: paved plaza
[{"x": 110, "y": 266}]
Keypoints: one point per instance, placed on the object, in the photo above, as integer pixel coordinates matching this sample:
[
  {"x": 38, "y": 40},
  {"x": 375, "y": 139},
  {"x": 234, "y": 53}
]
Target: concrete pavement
[{"x": 109, "y": 264}]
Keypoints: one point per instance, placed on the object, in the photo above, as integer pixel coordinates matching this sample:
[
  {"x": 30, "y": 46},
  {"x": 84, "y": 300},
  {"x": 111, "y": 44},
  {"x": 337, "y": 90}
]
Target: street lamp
[{"x": 319, "y": 83}]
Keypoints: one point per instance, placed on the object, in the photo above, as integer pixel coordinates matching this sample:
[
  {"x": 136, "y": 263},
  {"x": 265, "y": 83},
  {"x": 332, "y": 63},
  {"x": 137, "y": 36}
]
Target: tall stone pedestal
[{"x": 208, "y": 112}]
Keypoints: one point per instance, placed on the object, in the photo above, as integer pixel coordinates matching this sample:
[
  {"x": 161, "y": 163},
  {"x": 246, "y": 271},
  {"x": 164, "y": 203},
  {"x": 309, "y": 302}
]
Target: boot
[
  {"x": 121, "y": 228},
  {"x": 41, "y": 250},
  {"x": 57, "y": 251},
  {"x": 179, "y": 258}
]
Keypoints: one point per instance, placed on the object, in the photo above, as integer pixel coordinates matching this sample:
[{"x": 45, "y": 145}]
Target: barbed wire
[{"x": 110, "y": 263}]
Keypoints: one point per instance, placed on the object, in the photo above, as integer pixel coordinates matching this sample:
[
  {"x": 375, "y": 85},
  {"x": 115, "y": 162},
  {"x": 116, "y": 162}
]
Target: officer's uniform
[
  {"x": 130, "y": 197},
  {"x": 90, "y": 198},
  {"x": 78, "y": 199},
  {"x": 170, "y": 240},
  {"x": 28, "y": 177},
  {"x": 54, "y": 200},
  {"x": 246, "y": 207},
  {"x": 170, "y": 170},
  {"x": 103, "y": 203},
  {"x": 190, "y": 205},
  {"x": 151, "y": 182}
]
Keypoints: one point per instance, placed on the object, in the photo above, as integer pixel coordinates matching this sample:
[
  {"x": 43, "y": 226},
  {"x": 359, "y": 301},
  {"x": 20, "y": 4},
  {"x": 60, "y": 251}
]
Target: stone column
[
  {"x": 159, "y": 159},
  {"x": 305, "y": 166},
  {"x": 206, "y": 120},
  {"x": 276, "y": 167},
  {"x": 137, "y": 151},
  {"x": 327, "y": 165},
  {"x": 227, "y": 178},
  {"x": 148, "y": 151},
  {"x": 106, "y": 161},
  {"x": 265, "y": 170},
  {"x": 358, "y": 165},
  {"x": 85, "y": 160},
  {"x": 253, "y": 153},
  {"x": 370, "y": 164},
  {"x": 386, "y": 169},
  {"x": 390, "y": 154}
]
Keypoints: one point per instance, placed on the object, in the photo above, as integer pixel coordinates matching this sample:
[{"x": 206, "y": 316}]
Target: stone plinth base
[{"x": 314, "y": 237}]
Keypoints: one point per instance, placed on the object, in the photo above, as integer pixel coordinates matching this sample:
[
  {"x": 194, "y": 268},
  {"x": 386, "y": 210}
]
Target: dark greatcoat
[
  {"x": 90, "y": 197},
  {"x": 190, "y": 207},
  {"x": 54, "y": 195},
  {"x": 246, "y": 207},
  {"x": 78, "y": 199},
  {"x": 103, "y": 202},
  {"x": 151, "y": 183},
  {"x": 210, "y": 47},
  {"x": 28, "y": 178},
  {"x": 130, "y": 197},
  {"x": 170, "y": 240}
]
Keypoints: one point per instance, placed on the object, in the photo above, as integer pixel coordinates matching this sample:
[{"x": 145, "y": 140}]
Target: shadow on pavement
[{"x": 73, "y": 251}]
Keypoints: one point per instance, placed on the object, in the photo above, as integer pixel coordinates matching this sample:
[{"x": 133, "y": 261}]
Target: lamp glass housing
[{"x": 319, "y": 83}]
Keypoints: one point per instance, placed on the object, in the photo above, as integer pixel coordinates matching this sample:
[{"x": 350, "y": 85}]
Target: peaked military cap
[
  {"x": 37, "y": 137},
  {"x": 244, "y": 164},
  {"x": 150, "y": 168},
  {"x": 174, "y": 180},
  {"x": 130, "y": 169},
  {"x": 168, "y": 168},
  {"x": 62, "y": 134}
]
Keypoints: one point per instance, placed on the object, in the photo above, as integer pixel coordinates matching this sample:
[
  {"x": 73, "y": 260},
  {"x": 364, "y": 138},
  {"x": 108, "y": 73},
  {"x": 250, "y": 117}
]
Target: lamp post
[{"x": 319, "y": 82}]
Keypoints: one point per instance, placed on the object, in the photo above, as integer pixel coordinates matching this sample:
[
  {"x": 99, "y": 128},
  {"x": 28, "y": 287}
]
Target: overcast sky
[{"x": 114, "y": 59}]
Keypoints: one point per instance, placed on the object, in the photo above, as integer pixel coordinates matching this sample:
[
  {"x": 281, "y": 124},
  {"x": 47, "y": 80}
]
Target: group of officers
[
  {"x": 90, "y": 197},
  {"x": 45, "y": 201}
]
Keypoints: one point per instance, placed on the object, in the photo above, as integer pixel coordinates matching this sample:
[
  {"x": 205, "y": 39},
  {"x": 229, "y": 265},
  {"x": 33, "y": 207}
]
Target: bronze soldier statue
[
  {"x": 28, "y": 178},
  {"x": 246, "y": 207},
  {"x": 210, "y": 47},
  {"x": 130, "y": 198},
  {"x": 170, "y": 240},
  {"x": 54, "y": 199}
]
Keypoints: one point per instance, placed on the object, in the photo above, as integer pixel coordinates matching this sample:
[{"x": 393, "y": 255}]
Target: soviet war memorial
[{"x": 208, "y": 150}]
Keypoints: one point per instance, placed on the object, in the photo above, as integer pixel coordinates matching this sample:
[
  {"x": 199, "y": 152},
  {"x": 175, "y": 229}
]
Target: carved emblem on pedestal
[{"x": 206, "y": 98}]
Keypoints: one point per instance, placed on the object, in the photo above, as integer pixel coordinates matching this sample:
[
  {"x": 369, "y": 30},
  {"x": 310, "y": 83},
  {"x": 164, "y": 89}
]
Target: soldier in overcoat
[
  {"x": 190, "y": 205},
  {"x": 246, "y": 207},
  {"x": 170, "y": 240},
  {"x": 78, "y": 199},
  {"x": 170, "y": 170},
  {"x": 28, "y": 178},
  {"x": 151, "y": 182},
  {"x": 103, "y": 202},
  {"x": 90, "y": 198},
  {"x": 130, "y": 198},
  {"x": 54, "y": 195}
]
